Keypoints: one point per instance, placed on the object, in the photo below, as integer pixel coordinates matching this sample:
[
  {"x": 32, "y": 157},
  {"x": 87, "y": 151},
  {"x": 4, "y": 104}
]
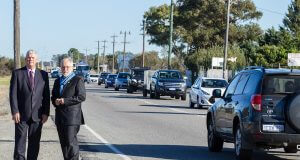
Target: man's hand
[
  {"x": 62, "y": 101},
  {"x": 16, "y": 117},
  {"x": 44, "y": 118},
  {"x": 57, "y": 102}
]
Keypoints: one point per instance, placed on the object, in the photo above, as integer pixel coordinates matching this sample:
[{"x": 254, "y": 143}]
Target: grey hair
[
  {"x": 69, "y": 59},
  {"x": 31, "y": 51}
]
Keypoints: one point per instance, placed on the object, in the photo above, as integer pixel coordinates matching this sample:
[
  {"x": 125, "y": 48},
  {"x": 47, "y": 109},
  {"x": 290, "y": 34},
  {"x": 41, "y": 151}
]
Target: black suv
[
  {"x": 259, "y": 109},
  {"x": 168, "y": 83},
  {"x": 136, "y": 82}
]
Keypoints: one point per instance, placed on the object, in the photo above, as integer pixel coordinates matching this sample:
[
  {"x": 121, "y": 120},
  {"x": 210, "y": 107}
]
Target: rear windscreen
[{"x": 281, "y": 84}]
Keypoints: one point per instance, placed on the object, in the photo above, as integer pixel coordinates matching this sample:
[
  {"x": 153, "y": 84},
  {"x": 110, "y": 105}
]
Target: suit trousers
[
  {"x": 68, "y": 141},
  {"x": 34, "y": 130}
]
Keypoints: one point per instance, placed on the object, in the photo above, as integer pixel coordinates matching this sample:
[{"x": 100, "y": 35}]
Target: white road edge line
[{"x": 113, "y": 148}]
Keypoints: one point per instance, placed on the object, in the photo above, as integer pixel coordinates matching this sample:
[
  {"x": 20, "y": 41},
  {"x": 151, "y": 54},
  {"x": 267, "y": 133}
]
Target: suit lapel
[
  {"x": 67, "y": 85},
  {"x": 25, "y": 74},
  {"x": 37, "y": 76}
]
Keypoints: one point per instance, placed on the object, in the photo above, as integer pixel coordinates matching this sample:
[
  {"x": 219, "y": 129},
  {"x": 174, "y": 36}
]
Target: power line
[{"x": 271, "y": 11}]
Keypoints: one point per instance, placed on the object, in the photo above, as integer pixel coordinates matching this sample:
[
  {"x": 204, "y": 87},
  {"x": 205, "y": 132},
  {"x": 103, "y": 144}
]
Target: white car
[
  {"x": 201, "y": 90},
  {"x": 94, "y": 78}
]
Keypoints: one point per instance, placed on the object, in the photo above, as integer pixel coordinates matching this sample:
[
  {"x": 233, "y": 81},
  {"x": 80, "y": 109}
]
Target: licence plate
[
  {"x": 172, "y": 89},
  {"x": 273, "y": 128}
]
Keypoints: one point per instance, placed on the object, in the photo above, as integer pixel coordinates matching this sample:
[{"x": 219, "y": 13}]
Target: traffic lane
[{"x": 187, "y": 140}]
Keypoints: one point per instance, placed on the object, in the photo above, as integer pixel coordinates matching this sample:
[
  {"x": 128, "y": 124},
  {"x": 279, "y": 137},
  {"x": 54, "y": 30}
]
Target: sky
[{"x": 55, "y": 26}]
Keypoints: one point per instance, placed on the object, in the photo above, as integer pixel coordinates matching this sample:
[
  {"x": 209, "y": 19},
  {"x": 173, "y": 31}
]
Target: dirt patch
[{"x": 4, "y": 100}]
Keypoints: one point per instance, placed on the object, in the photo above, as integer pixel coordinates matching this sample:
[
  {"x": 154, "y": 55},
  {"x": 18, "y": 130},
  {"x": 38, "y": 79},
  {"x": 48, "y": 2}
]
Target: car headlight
[
  {"x": 204, "y": 92},
  {"x": 134, "y": 80},
  {"x": 183, "y": 85},
  {"x": 160, "y": 83}
]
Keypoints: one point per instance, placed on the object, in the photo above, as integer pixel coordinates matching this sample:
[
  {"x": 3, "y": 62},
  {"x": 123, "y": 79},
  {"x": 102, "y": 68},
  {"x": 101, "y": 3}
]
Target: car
[
  {"x": 94, "y": 78},
  {"x": 55, "y": 74},
  {"x": 201, "y": 91},
  {"x": 122, "y": 80},
  {"x": 102, "y": 77},
  {"x": 110, "y": 80},
  {"x": 168, "y": 83},
  {"x": 136, "y": 82},
  {"x": 259, "y": 109}
]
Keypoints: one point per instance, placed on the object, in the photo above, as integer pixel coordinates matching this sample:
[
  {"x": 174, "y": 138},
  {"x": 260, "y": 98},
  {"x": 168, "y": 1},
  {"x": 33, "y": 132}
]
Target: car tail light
[{"x": 256, "y": 102}]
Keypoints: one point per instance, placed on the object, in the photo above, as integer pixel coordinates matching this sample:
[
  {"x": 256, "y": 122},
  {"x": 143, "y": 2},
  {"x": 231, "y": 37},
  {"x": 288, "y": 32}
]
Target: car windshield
[
  {"x": 138, "y": 73},
  {"x": 112, "y": 76},
  {"x": 93, "y": 75},
  {"x": 82, "y": 68},
  {"x": 104, "y": 74},
  {"x": 281, "y": 84},
  {"x": 55, "y": 72},
  {"x": 123, "y": 75},
  {"x": 170, "y": 75},
  {"x": 213, "y": 83}
]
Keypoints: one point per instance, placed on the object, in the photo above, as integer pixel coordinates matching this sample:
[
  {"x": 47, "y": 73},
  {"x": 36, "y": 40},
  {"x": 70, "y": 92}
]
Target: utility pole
[
  {"x": 144, "y": 34},
  {"x": 113, "y": 62},
  {"x": 103, "y": 54},
  {"x": 17, "y": 62},
  {"x": 86, "y": 54},
  {"x": 125, "y": 42},
  {"x": 226, "y": 40},
  {"x": 171, "y": 34},
  {"x": 98, "y": 68}
]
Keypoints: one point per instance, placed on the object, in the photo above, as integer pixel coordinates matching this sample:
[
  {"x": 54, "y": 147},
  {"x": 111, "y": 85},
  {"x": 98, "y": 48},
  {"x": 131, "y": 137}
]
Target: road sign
[{"x": 294, "y": 59}]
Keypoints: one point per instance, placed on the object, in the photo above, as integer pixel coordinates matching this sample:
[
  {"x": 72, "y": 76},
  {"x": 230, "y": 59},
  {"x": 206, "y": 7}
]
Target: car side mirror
[{"x": 217, "y": 93}]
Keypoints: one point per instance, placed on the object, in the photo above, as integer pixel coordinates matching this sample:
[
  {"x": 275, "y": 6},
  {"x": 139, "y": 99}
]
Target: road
[{"x": 128, "y": 126}]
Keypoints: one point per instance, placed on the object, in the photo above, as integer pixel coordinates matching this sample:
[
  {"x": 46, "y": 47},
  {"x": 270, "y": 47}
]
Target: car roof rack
[{"x": 255, "y": 67}]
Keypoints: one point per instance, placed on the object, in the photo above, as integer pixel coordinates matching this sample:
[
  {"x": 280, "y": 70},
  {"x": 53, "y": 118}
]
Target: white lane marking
[
  {"x": 174, "y": 109},
  {"x": 113, "y": 148}
]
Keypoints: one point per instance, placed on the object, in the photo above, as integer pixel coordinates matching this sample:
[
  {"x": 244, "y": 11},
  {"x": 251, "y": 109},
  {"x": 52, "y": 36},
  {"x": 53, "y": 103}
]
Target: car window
[
  {"x": 241, "y": 85},
  {"x": 252, "y": 84},
  {"x": 170, "y": 75},
  {"x": 213, "y": 83},
  {"x": 196, "y": 82},
  {"x": 230, "y": 89},
  {"x": 124, "y": 76},
  {"x": 281, "y": 84}
]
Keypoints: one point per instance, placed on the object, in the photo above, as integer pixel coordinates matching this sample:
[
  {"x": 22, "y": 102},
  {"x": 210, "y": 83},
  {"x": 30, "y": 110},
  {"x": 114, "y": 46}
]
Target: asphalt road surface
[{"x": 129, "y": 126}]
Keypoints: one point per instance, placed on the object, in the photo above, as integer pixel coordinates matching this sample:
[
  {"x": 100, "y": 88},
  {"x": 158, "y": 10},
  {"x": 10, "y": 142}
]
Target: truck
[
  {"x": 136, "y": 82},
  {"x": 166, "y": 83},
  {"x": 147, "y": 80},
  {"x": 83, "y": 70}
]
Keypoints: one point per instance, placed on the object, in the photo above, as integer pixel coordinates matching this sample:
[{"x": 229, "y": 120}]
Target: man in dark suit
[
  {"x": 30, "y": 104},
  {"x": 67, "y": 95}
]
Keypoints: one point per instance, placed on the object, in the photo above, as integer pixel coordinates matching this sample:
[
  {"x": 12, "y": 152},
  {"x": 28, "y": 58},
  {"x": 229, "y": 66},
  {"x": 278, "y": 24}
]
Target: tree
[
  {"x": 152, "y": 60},
  {"x": 75, "y": 54},
  {"x": 292, "y": 18}
]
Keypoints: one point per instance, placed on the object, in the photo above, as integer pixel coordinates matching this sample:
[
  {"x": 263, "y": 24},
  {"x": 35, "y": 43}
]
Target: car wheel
[
  {"x": 116, "y": 89},
  {"x": 240, "y": 153},
  {"x": 145, "y": 92},
  {"x": 183, "y": 97},
  {"x": 106, "y": 86},
  {"x": 177, "y": 97},
  {"x": 157, "y": 95},
  {"x": 191, "y": 104},
  {"x": 172, "y": 96},
  {"x": 290, "y": 149},
  {"x": 198, "y": 104},
  {"x": 215, "y": 143},
  {"x": 151, "y": 93},
  {"x": 129, "y": 90}
]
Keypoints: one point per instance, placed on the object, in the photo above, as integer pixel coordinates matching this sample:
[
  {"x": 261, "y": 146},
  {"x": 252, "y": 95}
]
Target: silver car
[{"x": 201, "y": 91}]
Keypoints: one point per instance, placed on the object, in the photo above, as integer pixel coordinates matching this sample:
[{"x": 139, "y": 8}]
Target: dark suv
[
  {"x": 136, "y": 82},
  {"x": 259, "y": 109}
]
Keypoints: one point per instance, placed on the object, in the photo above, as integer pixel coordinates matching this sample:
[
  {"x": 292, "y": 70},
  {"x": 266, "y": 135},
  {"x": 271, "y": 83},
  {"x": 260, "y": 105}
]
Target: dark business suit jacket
[
  {"x": 30, "y": 104},
  {"x": 73, "y": 93}
]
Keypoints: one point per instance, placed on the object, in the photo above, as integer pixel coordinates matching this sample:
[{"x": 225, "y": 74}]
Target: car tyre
[
  {"x": 152, "y": 95},
  {"x": 144, "y": 92},
  {"x": 191, "y": 104},
  {"x": 215, "y": 143},
  {"x": 290, "y": 149},
  {"x": 240, "y": 153},
  {"x": 157, "y": 95},
  {"x": 106, "y": 86},
  {"x": 183, "y": 97},
  {"x": 116, "y": 89},
  {"x": 177, "y": 97}
]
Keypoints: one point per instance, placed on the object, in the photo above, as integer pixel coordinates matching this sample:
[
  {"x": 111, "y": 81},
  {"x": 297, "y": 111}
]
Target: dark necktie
[{"x": 31, "y": 80}]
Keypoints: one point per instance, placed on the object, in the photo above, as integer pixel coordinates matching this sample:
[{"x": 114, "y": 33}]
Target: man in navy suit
[
  {"x": 67, "y": 95},
  {"x": 30, "y": 105}
]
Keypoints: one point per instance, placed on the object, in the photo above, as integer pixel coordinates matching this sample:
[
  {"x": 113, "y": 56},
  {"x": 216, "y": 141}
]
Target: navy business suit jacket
[
  {"x": 29, "y": 103},
  {"x": 74, "y": 94}
]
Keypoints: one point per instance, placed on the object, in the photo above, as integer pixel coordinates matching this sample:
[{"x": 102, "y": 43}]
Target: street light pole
[
  {"x": 124, "y": 50},
  {"x": 17, "y": 62},
  {"x": 171, "y": 34},
  {"x": 226, "y": 40},
  {"x": 113, "y": 62}
]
